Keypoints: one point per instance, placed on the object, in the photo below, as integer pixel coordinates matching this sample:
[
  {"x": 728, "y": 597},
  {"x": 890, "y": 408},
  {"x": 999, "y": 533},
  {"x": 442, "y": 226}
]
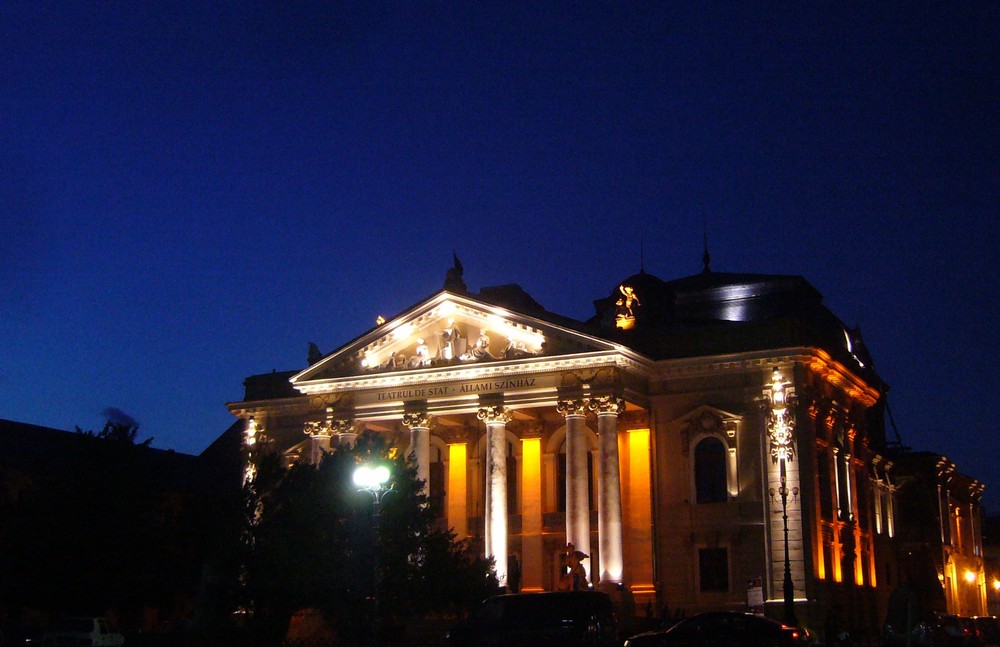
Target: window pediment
[{"x": 709, "y": 420}]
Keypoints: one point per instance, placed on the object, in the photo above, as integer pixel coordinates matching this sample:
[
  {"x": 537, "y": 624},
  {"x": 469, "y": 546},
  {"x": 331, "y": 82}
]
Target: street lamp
[
  {"x": 373, "y": 480},
  {"x": 788, "y": 587},
  {"x": 780, "y": 431}
]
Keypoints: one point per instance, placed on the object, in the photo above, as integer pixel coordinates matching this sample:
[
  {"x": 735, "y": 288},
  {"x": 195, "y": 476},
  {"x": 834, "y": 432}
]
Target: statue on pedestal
[{"x": 574, "y": 575}]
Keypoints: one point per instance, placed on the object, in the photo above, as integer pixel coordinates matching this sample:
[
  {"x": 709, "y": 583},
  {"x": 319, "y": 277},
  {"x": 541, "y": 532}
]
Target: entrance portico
[{"x": 545, "y": 382}]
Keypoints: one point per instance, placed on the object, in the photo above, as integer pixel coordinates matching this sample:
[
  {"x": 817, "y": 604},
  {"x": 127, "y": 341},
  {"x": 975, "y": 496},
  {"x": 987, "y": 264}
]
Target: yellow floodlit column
[
  {"x": 531, "y": 514},
  {"x": 458, "y": 499}
]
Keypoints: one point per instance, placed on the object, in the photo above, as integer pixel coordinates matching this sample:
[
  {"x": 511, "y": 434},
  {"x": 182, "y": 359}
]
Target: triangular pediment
[{"x": 450, "y": 330}]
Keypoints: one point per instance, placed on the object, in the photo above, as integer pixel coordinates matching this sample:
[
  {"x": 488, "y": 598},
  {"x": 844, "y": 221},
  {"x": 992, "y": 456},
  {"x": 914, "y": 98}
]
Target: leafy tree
[
  {"x": 124, "y": 434},
  {"x": 318, "y": 544}
]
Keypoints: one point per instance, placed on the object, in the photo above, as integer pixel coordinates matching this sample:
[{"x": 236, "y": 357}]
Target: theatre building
[{"x": 708, "y": 442}]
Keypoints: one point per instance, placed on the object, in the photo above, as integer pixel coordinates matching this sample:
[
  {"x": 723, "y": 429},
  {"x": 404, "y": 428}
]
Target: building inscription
[{"x": 443, "y": 391}]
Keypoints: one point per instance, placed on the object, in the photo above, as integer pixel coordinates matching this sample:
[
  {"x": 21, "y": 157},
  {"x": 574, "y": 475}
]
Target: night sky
[{"x": 190, "y": 192}]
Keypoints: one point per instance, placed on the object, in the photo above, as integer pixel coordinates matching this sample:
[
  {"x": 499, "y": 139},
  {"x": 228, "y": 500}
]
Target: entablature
[{"x": 814, "y": 359}]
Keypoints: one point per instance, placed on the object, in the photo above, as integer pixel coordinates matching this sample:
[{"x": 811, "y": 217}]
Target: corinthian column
[
  {"x": 577, "y": 480},
  {"x": 420, "y": 445},
  {"x": 496, "y": 418},
  {"x": 320, "y": 434},
  {"x": 344, "y": 430},
  {"x": 609, "y": 491}
]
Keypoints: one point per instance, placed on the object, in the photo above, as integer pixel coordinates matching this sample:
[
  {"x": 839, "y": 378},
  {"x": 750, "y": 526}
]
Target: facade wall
[{"x": 682, "y": 554}]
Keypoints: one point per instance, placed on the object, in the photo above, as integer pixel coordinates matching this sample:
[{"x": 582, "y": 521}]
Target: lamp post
[
  {"x": 780, "y": 430},
  {"x": 788, "y": 587},
  {"x": 373, "y": 480}
]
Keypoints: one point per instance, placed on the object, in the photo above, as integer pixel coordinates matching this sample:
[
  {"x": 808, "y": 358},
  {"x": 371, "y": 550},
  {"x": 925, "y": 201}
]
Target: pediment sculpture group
[{"x": 454, "y": 347}]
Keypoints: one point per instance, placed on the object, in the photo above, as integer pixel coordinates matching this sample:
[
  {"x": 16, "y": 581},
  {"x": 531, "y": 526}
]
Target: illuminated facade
[
  {"x": 940, "y": 534},
  {"x": 696, "y": 438}
]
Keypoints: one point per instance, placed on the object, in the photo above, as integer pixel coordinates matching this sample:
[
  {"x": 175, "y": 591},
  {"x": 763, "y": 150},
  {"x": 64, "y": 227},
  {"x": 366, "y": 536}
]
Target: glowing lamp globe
[{"x": 371, "y": 478}]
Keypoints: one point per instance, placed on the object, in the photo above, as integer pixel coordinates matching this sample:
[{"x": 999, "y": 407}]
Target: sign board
[{"x": 755, "y": 596}]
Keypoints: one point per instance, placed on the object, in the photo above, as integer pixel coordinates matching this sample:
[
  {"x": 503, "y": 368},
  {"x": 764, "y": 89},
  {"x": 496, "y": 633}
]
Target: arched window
[{"x": 710, "y": 471}]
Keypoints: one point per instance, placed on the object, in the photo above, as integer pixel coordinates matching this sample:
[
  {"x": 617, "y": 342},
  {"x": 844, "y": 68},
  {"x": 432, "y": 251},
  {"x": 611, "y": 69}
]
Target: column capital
[
  {"x": 496, "y": 414},
  {"x": 341, "y": 426},
  {"x": 314, "y": 429},
  {"x": 577, "y": 407},
  {"x": 605, "y": 404},
  {"x": 417, "y": 419}
]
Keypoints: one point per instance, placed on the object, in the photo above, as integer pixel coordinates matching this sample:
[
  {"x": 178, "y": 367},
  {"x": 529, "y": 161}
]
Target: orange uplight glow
[
  {"x": 457, "y": 489},
  {"x": 637, "y": 509},
  {"x": 970, "y": 576},
  {"x": 531, "y": 486}
]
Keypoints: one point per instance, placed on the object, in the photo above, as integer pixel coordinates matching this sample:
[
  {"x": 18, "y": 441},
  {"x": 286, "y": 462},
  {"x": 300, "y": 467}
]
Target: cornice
[
  {"x": 815, "y": 359},
  {"x": 534, "y": 366},
  {"x": 253, "y": 407}
]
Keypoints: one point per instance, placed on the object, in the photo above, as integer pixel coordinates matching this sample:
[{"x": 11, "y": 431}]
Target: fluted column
[
  {"x": 420, "y": 445},
  {"x": 319, "y": 434},
  {"x": 496, "y": 418},
  {"x": 577, "y": 479},
  {"x": 609, "y": 491}
]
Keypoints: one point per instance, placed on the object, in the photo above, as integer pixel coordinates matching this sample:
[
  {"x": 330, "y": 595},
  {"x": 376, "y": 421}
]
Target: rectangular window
[
  {"x": 825, "y": 484},
  {"x": 862, "y": 500},
  {"x": 877, "y": 491},
  {"x": 713, "y": 569}
]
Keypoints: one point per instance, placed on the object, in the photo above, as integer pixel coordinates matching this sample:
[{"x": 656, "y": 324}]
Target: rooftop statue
[{"x": 453, "y": 277}]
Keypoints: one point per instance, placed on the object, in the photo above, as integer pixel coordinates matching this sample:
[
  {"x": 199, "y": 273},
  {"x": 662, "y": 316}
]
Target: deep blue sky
[{"x": 192, "y": 191}]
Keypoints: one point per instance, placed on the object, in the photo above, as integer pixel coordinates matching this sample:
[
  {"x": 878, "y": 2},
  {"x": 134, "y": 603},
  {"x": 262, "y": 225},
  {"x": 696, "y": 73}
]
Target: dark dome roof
[{"x": 713, "y": 313}]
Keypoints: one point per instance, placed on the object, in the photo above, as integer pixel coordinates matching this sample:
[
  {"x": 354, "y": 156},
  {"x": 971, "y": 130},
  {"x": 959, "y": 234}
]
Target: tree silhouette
[
  {"x": 118, "y": 432},
  {"x": 315, "y": 545},
  {"x": 109, "y": 527}
]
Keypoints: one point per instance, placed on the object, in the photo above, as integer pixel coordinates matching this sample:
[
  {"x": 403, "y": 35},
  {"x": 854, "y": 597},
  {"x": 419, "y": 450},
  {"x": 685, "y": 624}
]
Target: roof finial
[{"x": 706, "y": 258}]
